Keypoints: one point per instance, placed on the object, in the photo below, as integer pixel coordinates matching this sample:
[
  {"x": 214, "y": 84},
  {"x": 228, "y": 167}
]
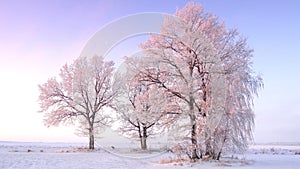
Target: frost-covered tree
[
  {"x": 234, "y": 130},
  {"x": 143, "y": 109},
  {"x": 79, "y": 96},
  {"x": 208, "y": 68}
]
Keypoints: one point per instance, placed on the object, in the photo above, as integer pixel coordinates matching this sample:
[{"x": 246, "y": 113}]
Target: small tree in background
[
  {"x": 79, "y": 96},
  {"x": 143, "y": 109}
]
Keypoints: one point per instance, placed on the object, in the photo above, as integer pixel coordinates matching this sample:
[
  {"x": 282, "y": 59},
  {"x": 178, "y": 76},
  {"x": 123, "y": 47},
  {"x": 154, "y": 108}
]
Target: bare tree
[{"x": 79, "y": 96}]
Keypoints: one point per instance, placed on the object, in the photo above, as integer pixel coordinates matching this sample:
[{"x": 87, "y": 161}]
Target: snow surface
[{"x": 14, "y": 155}]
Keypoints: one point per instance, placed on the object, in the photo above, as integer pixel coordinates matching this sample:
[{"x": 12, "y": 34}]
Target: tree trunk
[
  {"x": 194, "y": 154},
  {"x": 222, "y": 145},
  {"x": 208, "y": 148},
  {"x": 144, "y": 139},
  {"x": 218, "y": 156},
  {"x": 91, "y": 139},
  {"x": 194, "y": 143}
]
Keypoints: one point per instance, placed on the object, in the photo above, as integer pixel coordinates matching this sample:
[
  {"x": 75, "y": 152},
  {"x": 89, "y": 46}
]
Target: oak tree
[{"x": 79, "y": 96}]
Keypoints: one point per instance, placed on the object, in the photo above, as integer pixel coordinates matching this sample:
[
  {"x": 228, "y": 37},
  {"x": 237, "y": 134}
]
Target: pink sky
[{"x": 37, "y": 38}]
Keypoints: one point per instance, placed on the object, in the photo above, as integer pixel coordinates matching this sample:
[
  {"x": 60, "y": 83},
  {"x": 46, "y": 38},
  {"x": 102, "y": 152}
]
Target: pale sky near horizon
[{"x": 38, "y": 37}]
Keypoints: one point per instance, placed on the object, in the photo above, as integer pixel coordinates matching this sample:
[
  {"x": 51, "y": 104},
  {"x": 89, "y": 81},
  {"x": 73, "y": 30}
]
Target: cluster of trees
[{"x": 194, "y": 77}]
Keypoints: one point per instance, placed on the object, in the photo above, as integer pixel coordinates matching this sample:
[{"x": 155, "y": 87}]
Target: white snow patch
[{"x": 17, "y": 155}]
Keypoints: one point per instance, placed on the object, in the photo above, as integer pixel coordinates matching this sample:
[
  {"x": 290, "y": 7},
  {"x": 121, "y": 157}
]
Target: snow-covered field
[{"x": 14, "y": 155}]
